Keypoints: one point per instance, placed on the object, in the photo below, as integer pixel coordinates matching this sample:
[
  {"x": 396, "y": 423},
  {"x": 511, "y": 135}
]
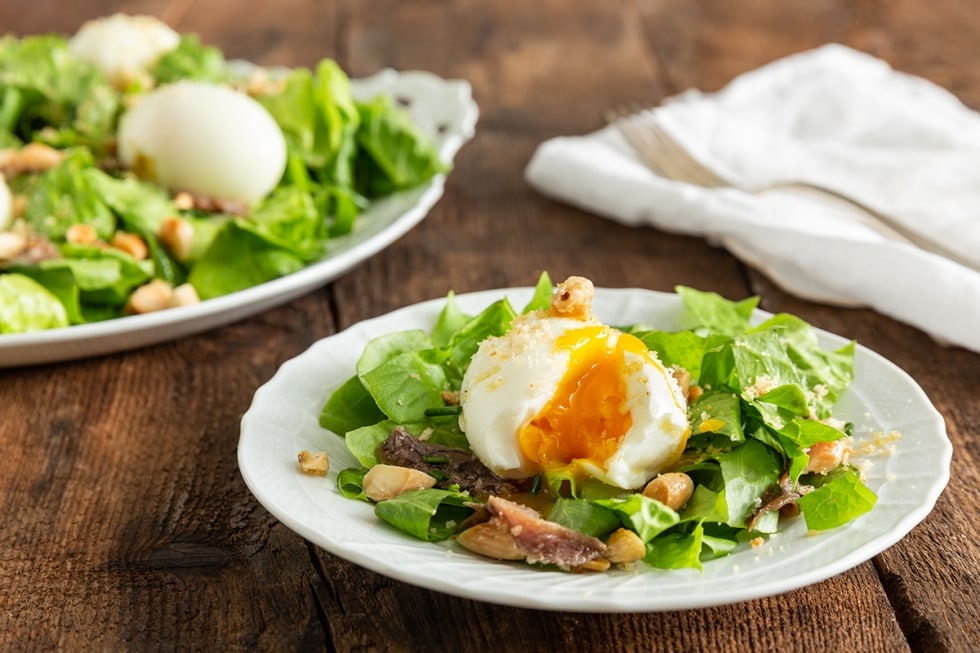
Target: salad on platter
[
  {"x": 141, "y": 170},
  {"x": 547, "y": 437}
]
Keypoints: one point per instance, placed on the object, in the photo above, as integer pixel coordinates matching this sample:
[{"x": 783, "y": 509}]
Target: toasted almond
[
  {"x": 81, "y": 234},
  {"x": 150, "y": 297},
  {"x": 825, "y": 457},
  {"x": 491, "y": 540},
  {"x": 672, "y": 489},
  {"x": 314, "y": 463},
  {"x": 11, "y": 244},
  {"x": 184, "y": 295},
  {"x": 625, "y": 546},
  {"x": 383, "y": 482},
  {"x": 132, "y": 244}
]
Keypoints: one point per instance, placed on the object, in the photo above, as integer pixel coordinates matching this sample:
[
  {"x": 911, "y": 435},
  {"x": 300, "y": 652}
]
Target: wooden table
[{"x": 125, "y": 523}]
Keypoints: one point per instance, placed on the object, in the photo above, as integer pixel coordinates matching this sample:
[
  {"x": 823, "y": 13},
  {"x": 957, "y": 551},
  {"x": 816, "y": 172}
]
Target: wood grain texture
[{"x": 124, "y": 522}]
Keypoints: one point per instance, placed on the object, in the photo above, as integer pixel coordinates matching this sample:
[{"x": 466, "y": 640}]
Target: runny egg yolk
[{"x": 588, "y": 415}]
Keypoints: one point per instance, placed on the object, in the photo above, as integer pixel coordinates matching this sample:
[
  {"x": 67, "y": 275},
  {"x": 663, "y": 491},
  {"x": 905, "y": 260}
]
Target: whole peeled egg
[
  {"x": 560, "y": 392},
  {"x": 123, "y": 47},
  {"x": 205, "y": 139}
]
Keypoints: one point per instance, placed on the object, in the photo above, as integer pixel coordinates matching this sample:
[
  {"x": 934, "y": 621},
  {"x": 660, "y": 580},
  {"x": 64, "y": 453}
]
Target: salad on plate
[
  {"x": 141, "y": 170},
  {"x": 547, "y": 437}
]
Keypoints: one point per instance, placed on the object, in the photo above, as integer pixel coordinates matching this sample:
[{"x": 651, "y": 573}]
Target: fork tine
[
  {"x": 644, "y": 144},
  {"x": 666, "y": 157},
  {"x": 695, "y": 170},
  {"x": 660, "y": 152}
]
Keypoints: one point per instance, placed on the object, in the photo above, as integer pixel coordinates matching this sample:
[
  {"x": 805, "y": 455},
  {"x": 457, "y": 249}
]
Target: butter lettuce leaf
[
  {"x": 191, "y": 60},
  {"x": 393, "y": 156},
  {"x": 26, "y": 305},
  {"x": 430, "y": 515}
]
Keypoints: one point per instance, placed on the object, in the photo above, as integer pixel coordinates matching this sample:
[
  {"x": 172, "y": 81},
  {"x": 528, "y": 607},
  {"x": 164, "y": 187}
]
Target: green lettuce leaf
[
  {"x": 647, "y": 517},
  {"x": 65, "y": 196},
  {"x": 838, "y": 498},
  {"x": 584, "y": 516},
  {"x": 712, "y": 312},
  {"x": 104, "y": 276},
  {"x": 350, "y": 407},
  {"x": 191, "y": 60},
  {"x": 44, "y": 90},
  {"x": 240, "y": 257},
  {"x": 679, "y": 548},
  {"x": 26, "y": 305},
  {"x": 430, "y": 515},
  {"x": 393, "y": 155}
]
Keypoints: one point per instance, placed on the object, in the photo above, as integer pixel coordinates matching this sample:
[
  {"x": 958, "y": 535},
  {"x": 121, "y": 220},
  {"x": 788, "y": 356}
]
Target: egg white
[
  {"x": 205, "y": 139},
  {"x": 123, "y": 47},
  {"x": 511, "y": 378}
]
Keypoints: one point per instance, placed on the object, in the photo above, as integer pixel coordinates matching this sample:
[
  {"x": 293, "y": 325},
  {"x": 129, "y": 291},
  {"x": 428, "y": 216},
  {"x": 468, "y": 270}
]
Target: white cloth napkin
[{"x": 831, "y": 116}]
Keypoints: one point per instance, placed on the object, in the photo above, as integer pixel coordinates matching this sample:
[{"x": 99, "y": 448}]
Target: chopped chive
[
  {"x": 536, "y": 484},
  {"x": 435, "y": 460},
  {"x": 443, "y": 411}
]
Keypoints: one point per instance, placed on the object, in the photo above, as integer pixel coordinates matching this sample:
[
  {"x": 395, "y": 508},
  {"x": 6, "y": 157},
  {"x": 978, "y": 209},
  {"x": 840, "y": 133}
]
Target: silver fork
[{"x": 661, "y": 152}]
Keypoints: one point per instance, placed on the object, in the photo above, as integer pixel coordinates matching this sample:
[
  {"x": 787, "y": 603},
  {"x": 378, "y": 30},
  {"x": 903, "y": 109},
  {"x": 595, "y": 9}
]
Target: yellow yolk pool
[
  {"x": 555, "y": 392},
  {"x": 588, "y": 415}
]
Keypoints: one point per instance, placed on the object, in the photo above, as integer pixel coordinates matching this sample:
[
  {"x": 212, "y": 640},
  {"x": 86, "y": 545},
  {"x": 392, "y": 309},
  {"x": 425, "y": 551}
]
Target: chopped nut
[
  {"x": 825, "y": 457},
  {"x": 573, "y": 299},
  {"x": 132, "y": 244},
  {"x": 597, "y": 564},
  {"x": 184, "y": 201},
  {"x": 11, "y": 244},
  {"x": 625, "y": 546},
  {"x": 383, "y": 482},
  {"x": 33, "y": 157},
  {"x": 672, "y": 489},
  {"x": 150, "y": 297},
  {"x": 184, "y": 295},
  {"x": 81, "y": 234},
  {"x": 38, "y": 156},
  {"x": 683, "y": 378},
  {"x": 491, "y": 540},
  {"x": 314, "y": 463},
  {"x": 177, "y": 235},
  {"x": 261, "y": 83}
]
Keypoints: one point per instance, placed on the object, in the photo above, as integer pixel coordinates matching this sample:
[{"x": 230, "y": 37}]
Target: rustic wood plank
[
  {"x": 126, "y": 522},
  {"x": 421, "y": 620}
]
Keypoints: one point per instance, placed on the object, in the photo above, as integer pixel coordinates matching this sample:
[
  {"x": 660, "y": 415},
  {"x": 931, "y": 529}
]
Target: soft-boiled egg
[
  {"x": 123, "y": 47},
  {"x": 205, "y": 139},
  {"x": 560, "y": 391}
]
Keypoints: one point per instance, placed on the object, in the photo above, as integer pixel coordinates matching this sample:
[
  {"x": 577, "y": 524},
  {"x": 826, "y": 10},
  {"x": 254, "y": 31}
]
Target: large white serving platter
[
  {"x": 443, "y": 108},
  {"x": 283, "y": 419}
]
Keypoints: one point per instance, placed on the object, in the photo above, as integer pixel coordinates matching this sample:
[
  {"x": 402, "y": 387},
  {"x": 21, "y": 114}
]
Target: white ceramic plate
[
  {"x": 443, "y": 108},
  {"x": 283, "y": 420}
]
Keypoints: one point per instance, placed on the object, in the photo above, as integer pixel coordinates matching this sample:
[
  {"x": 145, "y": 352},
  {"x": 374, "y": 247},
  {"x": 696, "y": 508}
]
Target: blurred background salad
[{"x": 141, "y": 170}]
